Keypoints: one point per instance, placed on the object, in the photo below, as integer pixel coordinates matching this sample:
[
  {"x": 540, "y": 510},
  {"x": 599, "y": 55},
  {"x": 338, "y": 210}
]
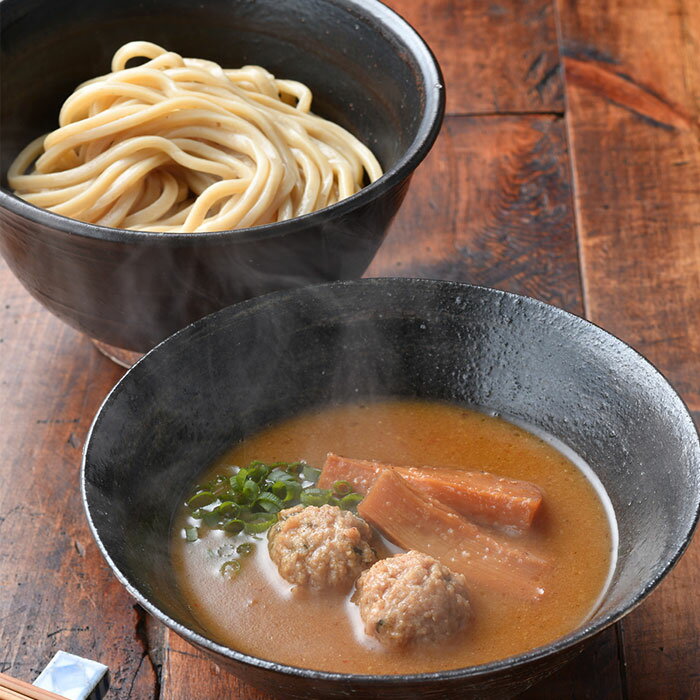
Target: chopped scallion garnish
[
  {"x": 350, "y": 501},
  {"x": 245, "y": 549},
  {"x": 310, "y": 473},
  {"x": 269, "y": 502},
  {"x": 341, "y": 488},
  {"x": 248, "y": 502},
  {"x": 315, "y": 497},
  {"x": 233, "y": 526},
  {"x": 259, "y": 522},
  {"x": 203, "y": 498},
  {"x": 230, "y": 568}
]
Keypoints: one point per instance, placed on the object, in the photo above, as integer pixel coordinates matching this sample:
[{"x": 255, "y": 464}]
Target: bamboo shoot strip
[
  {"x": 481, "y": 496},
  {"x": 413, "y": 521}
]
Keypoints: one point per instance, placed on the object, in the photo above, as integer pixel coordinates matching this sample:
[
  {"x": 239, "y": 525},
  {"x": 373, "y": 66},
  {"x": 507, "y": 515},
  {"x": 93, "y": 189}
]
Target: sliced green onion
[
  {"x": 279, "y": 489},
  {"x": 231, "y": 568},
  {"x": 258, "y": 472},
  {"x": 311, "y": 473},
  {"x": 315, "y": 497},
  {"x": 341, "y": 488},
  {"x": 241, "y": 478},
  {"x": 233, "y": 526},
  {"x": 269, "y": 502},
  {"x": 191, "y": 534},
  {"x": 227, "y": 509},
  {"x": 245, "y": 549},
  {"x": 244, "y": 512},
  {"x": 280, "y": 475},
  {"x": 295, "y": 467},
  {"x": 350, "y": 501},
  {"x": 250, "y": 491},
  {"x": 222, "y": 492},
  {"x": 211, "y": 519},
  {"x": 293, "y": 492},
  {"x": 203, "y": 498},
  {"x": 249, "y": 500},
  {"x": 260, "y": 522}
]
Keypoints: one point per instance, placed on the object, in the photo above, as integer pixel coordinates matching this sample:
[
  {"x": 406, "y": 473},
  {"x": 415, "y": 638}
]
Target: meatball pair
[{"x": 408, "y": 598}]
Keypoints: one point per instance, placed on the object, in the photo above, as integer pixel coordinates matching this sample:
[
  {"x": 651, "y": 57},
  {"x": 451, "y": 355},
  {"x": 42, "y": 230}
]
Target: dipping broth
[{"x": 258, "y": 613}]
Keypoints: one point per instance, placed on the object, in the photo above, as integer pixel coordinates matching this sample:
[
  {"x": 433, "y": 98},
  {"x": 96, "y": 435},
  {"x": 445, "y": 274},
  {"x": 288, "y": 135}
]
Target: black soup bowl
[
  {"x": 228, "y": 375},
  {"x": 369, "y": 71}
]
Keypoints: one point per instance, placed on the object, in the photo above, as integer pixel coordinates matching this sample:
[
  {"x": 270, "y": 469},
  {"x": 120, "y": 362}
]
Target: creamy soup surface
[{"x": 259, "y": 613}]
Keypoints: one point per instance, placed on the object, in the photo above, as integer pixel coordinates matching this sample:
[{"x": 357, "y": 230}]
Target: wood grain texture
[
  {"x": 578, "y": 680},
  {"x": 21, "y": 690},
  {"x": 498, "y": 56},
  {"x": 187, "y": 673},
  {"x": 633, "y": 93},
  {"x": 633, "y": 124},
  {"x": 491, "y": 205},
  {"x": 56, "y": 591}
]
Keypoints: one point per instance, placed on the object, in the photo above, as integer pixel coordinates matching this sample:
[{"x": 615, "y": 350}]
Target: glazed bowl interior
[
  {"x": 245, "y": 367},
  {"x": 368, "y": 70}
]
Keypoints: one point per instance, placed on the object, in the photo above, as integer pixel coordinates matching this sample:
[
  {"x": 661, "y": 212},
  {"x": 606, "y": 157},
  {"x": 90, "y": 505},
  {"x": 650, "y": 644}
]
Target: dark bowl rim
[
  {"x": 558, "y": 645},
  {"x": 383, "y": 19}
]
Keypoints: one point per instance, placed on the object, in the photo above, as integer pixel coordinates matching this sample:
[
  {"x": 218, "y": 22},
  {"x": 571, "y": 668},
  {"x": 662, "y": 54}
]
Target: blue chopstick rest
[{"x": 74, "y": 677}]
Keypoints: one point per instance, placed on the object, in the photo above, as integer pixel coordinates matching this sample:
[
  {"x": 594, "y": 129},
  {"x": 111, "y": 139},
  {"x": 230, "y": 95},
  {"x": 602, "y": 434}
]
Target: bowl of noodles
[{"x": 162, "y": 161}]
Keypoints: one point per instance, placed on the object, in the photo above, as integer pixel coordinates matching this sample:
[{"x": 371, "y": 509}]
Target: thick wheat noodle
[{"x": 182, "y": 145}]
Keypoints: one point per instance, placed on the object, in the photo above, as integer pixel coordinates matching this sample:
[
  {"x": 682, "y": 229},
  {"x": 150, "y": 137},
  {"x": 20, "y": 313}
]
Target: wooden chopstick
[
  {"x": 12, "y": 689},
  {"x": 6, "y": 694}
]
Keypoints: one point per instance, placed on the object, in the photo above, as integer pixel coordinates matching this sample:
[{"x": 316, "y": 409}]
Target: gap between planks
[{"x": 506, "y": 113}]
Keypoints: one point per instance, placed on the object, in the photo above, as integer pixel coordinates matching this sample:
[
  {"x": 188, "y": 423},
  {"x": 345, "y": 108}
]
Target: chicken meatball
[
  {"x": 411, "y": 598},
  {"x": 320, "y": 547}
]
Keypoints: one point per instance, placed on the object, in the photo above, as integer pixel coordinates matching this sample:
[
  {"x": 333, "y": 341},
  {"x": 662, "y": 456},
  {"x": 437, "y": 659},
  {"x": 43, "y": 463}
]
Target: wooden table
[{"x": 568, "y": 169}]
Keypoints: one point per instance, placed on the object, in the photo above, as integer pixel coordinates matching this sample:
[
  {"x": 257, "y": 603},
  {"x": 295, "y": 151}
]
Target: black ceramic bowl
[
  {"x": 228, "y": 375},
  {"x": 369, "y": 71}
]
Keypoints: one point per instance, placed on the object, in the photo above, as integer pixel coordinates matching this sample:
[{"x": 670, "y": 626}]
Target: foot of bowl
[{"x": 122, "y": 357}]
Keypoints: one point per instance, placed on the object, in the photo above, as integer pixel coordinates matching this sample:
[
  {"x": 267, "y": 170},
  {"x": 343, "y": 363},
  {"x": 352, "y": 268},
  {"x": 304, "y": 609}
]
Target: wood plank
[
  {"x": 577, "y": 681},
  {"x": 491, "y": 205},
  {"x": 495, "y": 56},
  {"x": 634, "y": 127},
  {"x": 633, "y": 91},
  {"x": 190, "y": 674},
  {"x": 56, "y": 590},
  {"x": 519, "y": 184},
  {"x": 187, "y": 673},
  {"x": 661, "y": 638}
]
